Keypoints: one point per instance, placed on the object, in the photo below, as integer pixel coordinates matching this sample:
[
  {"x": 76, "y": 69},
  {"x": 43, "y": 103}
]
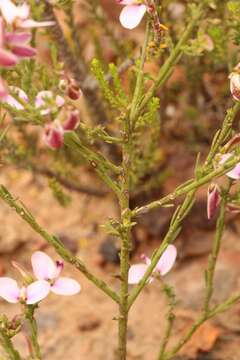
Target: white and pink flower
[
  {"x": 132, "y": 13},
  {"x": 46, "y": 101},
  {"x": 18, "y": 15},
  {"x": 235, "y": 172},
  {"x": 48, "y": 279},
  {"x": 45, "y": 269},
  {"x": 31, "y": 294},
  {"x": 164, "y": 265}
]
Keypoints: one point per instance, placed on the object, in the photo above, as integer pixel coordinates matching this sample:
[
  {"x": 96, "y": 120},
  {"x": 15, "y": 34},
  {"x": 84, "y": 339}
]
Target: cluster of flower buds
[
  {"x": 47, "y": 273},
  {"x": 164, "y": 265},
  {"x": 14, "y": 37},
  {"x": 69, "y": 86},
  {"x": 54, "y": 132},
  {"x": 47, "y": 103}
]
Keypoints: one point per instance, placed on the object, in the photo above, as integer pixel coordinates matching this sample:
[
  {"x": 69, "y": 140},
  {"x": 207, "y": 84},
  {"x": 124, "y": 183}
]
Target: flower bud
[
  {"x": 72, "y": 121},
  {"x": 213, "y": 199},
  {"x": 53, "y": 136},
  {"x": 73, "y": 91},
  {"x": 235, "y": 83}
]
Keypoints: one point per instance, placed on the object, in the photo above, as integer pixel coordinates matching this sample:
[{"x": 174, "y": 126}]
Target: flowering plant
[{"x": 109, "y": 123}]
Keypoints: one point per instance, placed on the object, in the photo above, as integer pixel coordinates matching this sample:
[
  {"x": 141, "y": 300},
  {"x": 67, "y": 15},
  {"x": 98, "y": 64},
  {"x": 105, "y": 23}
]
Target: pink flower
[
  {"x": 164, "y": 265},
  {"x": 213, "y": 200},
  {"x": 132, "y": 13},
  {"x": 53, "y": 135},
  {"x": 31, "y": 294},
  {"x": 45, "y": 269},
  {"x": 46, "y": 101},
  {"x": 235, "y": 172},
  {"x": 19, "y": 15},
  {"x": 72, "y": 121},
  {"x": 14, "y": 46}
]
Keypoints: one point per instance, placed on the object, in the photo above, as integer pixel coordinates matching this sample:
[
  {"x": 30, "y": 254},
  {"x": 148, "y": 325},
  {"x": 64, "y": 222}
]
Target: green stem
[
  {"x": 215, "y": 251},
  {"x": 186, "y": 337},
  {"x": 139, "y": 83},
  {"x": 208, "y": 313},
  {"x": 188, "y": 186},
  {"x": 22, "y": 211},
  {"x": 126, "y": 215},
  {"x": 223, "y": 133},
  {"x": 174, "y": 57},
  {"x": 170, "y": 321},
  {"x": 7, "y": 344},
  {"x": 101, "y": 165},
  {"x": 172, "y": 233},
  {"x": 218, "y": 309},
  {"x": 36, "y": 354}
]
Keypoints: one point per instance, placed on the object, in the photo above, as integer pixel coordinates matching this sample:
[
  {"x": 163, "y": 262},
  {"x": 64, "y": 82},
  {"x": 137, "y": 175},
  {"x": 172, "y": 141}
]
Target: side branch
[
  {"x": 101, "y": 165},
  {"x": 187, "y": 186},
  {"x": 175, "y": 228},
  {"x": 174, "y": 58}
]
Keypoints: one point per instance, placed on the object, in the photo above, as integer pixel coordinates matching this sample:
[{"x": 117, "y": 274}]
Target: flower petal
[
  {"x": 37, "y": 291},
  {"x": 19, "y": 92},
  {"x": 7, "y": 59},
  {"x": 136, "y": 273},
  {"x": 43, "y": 266},
  {"x": 131, "y": 15},
  {"x": 235, "y": 172},
  {"x": 23, "y": 11},
  {"x": 127, "y": 2},
  {"x": 2, "y": 32},
  {"x": 23, "y": 51},
  {"x": 9, "y": 10},
  {"x": 167, "y": 260},
  {"x": 10, "y": 100},
  {"x": 29, "y": 23},
  {"x": 18, "y": 37},
  {"x": 146, "y": 259},
  {"x": 65, "y": 286},
  {"x": 9, "y": 290},
  {"x": 60, "y": 101}
]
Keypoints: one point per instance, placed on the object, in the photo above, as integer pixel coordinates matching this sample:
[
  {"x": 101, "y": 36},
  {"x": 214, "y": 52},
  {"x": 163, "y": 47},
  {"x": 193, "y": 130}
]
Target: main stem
[
  {"x": 125, "y": 248},
  {"x": 126, "y": 214}
]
